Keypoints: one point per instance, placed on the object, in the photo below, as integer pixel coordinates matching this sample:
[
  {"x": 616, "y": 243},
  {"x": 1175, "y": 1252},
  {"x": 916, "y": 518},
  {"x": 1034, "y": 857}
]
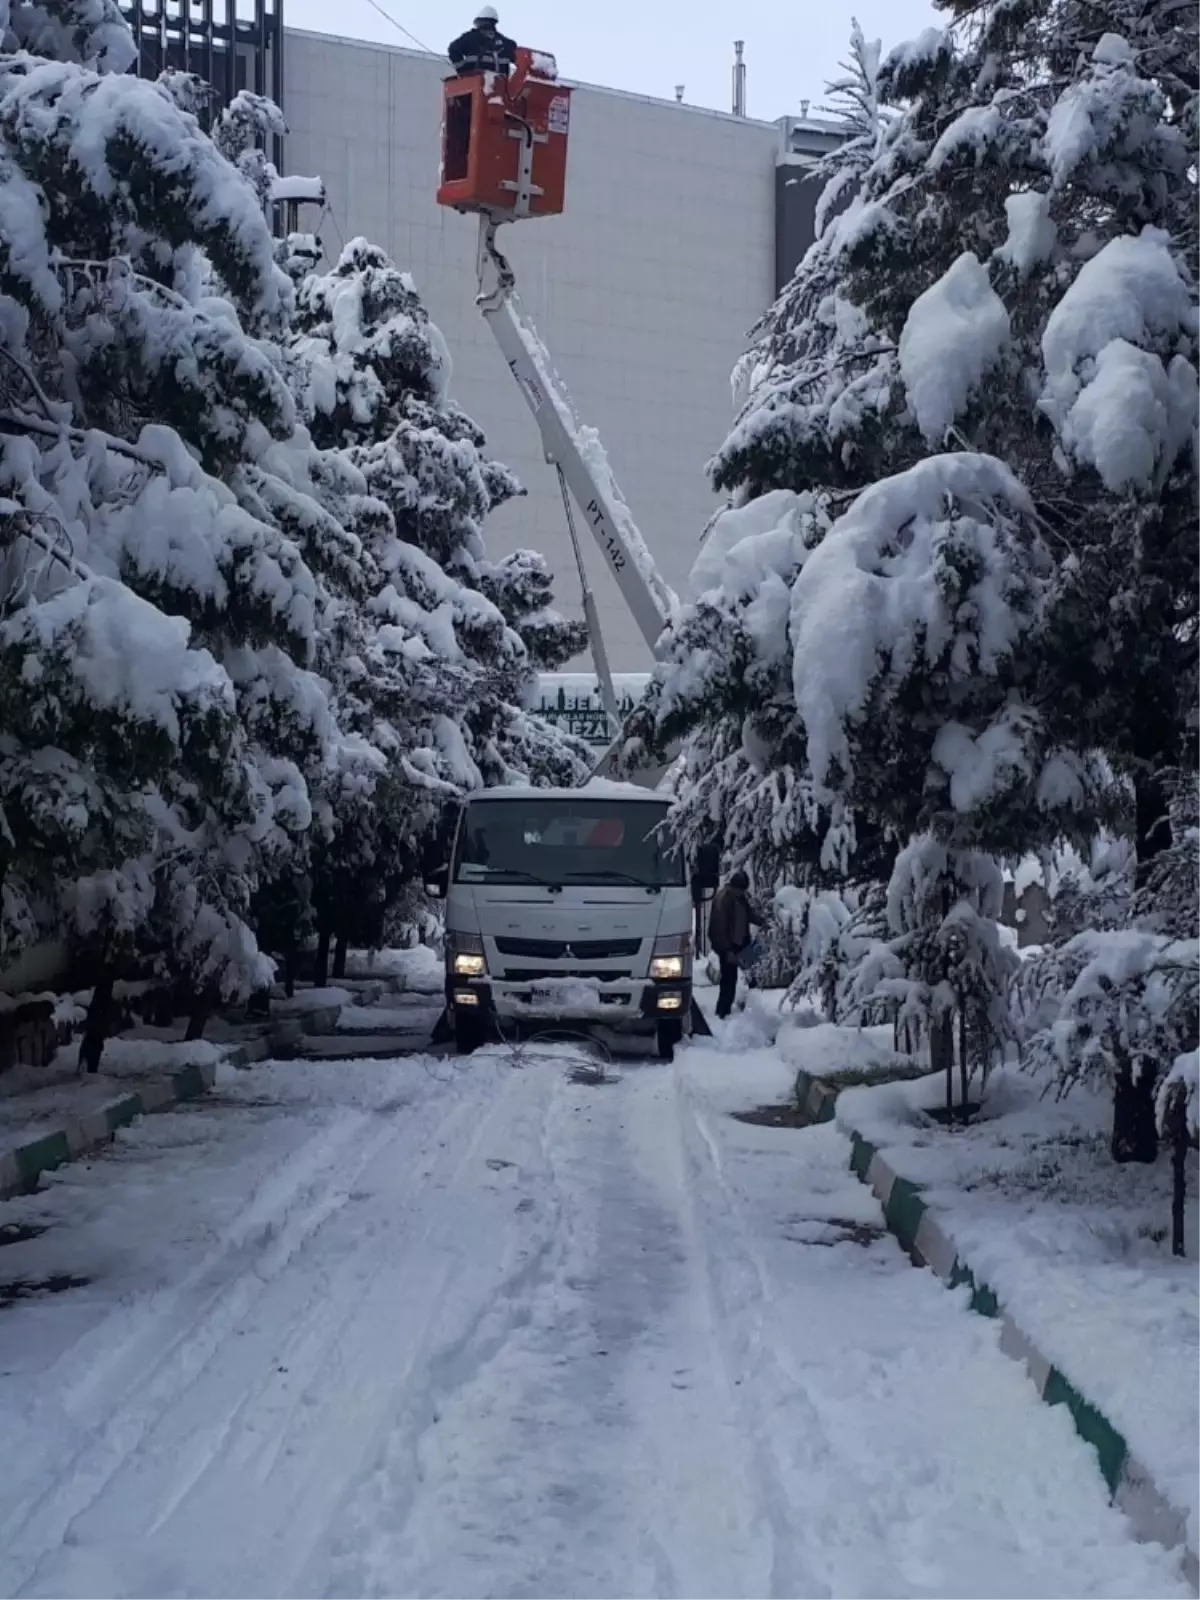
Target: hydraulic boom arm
[{"x": 575, "y": 451}]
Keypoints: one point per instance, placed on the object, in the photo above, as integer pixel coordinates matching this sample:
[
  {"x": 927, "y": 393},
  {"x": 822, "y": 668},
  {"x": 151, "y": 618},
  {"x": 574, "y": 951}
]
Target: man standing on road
[
  {"x": 483, "y": 48},
  {"x": 729, "y": 925}
]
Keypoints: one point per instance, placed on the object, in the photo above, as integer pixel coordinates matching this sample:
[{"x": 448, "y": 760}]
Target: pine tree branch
[
  {"x": 59, "y": 430},
  {"x": 35, "y": 387},
  {"x": 51, "y": 544}
]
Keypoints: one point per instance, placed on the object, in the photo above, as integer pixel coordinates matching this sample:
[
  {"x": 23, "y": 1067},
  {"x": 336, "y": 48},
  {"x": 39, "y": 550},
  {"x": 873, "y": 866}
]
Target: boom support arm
[{"x": 575, "y": 451}]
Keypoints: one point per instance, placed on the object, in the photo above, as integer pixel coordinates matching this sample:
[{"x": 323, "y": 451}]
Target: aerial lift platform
[{"x": 504, "y": 159}]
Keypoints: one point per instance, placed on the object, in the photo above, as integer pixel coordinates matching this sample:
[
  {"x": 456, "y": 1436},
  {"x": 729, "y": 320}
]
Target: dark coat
[
  {"x": 482, "y": 50},
  {"x": 730, "y": 920}
]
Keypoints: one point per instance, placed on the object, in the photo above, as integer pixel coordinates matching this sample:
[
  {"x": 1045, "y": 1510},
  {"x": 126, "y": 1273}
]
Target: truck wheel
[
  {"x": 667, "y": 1036},
  {"x": 468, "y": 1032}
]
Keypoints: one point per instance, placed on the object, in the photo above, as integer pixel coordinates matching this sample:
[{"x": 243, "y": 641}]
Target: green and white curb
[
  {"x": 20, "y": 1169},
  {"x": 816, "y": 1098},
  {"x": 1152, "y": 1515}
]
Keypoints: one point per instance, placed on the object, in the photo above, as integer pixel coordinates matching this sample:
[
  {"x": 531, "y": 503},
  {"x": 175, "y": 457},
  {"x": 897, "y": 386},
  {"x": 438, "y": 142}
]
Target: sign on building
[{"x": 571, "y": 700}]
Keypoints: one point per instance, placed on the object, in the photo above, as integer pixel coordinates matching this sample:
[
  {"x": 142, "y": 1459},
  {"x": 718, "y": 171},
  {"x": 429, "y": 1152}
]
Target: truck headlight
[
  {"x": 672, "y": 957},
  {"x": 465, "y": 954}
]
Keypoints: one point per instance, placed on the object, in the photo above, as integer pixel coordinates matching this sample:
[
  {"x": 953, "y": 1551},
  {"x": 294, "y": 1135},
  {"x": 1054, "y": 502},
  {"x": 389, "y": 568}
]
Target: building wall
[
  {"x": 803, "y": 141},
  {"x": 644, "y": 290}
]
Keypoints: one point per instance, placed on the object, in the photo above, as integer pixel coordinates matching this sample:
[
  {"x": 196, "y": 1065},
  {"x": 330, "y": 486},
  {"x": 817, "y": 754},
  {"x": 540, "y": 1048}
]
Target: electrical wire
[
  {"x": 400, "y": 28},
  {"x": 337, "y": 227}
]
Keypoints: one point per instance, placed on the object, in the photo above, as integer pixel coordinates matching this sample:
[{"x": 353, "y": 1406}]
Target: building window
[{"x": 231, "y": 44}]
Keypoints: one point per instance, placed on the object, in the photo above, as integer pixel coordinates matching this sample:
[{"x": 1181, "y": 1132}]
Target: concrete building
[{"x": 681, "y": 224}]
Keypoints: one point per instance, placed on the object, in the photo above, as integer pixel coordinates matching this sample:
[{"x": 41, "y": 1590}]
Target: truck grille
[
  {"x": 563, "y": 949},
  {"x": 544, "y": 974}
]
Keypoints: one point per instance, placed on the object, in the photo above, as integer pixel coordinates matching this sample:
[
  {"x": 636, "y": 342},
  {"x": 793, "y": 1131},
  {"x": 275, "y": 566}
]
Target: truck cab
[{"x": 566, "y": 908}]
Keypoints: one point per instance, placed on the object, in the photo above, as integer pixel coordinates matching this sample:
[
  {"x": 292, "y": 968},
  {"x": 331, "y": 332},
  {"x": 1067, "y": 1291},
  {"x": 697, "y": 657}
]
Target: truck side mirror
[{"x": 437, "y": 882}]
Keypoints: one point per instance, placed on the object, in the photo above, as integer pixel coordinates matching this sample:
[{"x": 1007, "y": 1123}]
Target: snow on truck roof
[{"x": 595, "y": 788}]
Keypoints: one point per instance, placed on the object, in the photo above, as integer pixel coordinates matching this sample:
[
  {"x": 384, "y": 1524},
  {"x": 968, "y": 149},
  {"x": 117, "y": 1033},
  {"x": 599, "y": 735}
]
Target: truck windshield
[{"x": 565, "y": 841}]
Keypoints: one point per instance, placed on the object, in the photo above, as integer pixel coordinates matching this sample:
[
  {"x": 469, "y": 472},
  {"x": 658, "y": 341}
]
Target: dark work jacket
[
  {"x": 730, "y": 920},
  {"x": 481, "y": 50}
]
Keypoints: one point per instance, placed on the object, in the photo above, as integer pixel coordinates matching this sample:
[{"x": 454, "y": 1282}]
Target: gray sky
[{"x": 792, "y": 47}]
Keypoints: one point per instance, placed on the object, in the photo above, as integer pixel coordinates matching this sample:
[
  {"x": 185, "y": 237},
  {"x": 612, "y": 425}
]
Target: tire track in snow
[
  {"x": 154, "y": 1352},
  {"x": 579, "y": 1457},
  {"x": 448, "y": 1507},
  {"x": 468, "y": 1316},
  {"x": 674, "y": 1164},
  {"x": 200, "y": 1313},
  {"x": 376, "y": 1507},
  {"x": 317, "y": 1311}
]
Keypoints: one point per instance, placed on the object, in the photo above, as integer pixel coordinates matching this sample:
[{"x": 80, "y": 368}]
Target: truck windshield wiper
[
  {"x": 610, "y": 875},
  {"x": 509, "y": 872}
]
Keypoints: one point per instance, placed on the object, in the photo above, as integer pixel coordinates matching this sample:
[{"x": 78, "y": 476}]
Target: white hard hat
[{"x": 487, "y": 14}]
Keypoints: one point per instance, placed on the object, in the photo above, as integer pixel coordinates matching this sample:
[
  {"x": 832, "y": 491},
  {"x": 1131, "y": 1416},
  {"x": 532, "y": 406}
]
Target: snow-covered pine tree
[
  {"x": 521, "y": 587},
  {"x": 241, "y": 131},
  {"x": 1029, "y": 244},
  {"x": 1047, "y": 172},
  {"x": 1004, "y": 273},
  {"x": 371, "y": 372},
  {"x": 135, "y": 400},
  {"x": 809, "y": 386}
]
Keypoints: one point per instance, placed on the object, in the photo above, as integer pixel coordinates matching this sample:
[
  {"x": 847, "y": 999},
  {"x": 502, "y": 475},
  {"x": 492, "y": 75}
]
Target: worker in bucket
[
  {"x": 729, "y": 925},
  {"x": 483, "y": 48}
]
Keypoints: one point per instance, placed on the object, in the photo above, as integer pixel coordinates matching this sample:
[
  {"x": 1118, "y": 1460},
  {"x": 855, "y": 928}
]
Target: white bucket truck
[{"x": 567, "y": 907}]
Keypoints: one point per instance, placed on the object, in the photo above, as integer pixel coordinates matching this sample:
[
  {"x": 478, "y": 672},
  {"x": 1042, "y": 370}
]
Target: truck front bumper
[{"x": 631, "y": 1003}]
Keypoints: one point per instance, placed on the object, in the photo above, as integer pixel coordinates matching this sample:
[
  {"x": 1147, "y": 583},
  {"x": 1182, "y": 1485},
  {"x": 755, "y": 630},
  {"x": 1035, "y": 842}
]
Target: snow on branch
[{"x": 927, "y": 570}]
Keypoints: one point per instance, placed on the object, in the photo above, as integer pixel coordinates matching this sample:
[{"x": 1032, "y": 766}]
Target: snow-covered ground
[
  {"x": 379, "y": 1019},
  {"x": 448, "y": 1328},
  {"x": 309, "y": 999},
  {"x": 1075, "y": 1247}
]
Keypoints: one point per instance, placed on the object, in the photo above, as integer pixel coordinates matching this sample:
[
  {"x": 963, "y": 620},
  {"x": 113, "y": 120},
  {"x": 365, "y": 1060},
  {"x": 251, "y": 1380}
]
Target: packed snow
[{"x": 413, "y": 1328}]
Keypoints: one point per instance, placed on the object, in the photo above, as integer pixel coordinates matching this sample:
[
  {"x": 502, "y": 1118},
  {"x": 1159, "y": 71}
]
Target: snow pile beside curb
[
  {"x": 53, "y": 1135},
  {"x": 1027, "y": 1207},
  {"x": 313, "y": 1000},
  {"x": 838, "y": 1055},
  {"x": 737, "y": 1076}
]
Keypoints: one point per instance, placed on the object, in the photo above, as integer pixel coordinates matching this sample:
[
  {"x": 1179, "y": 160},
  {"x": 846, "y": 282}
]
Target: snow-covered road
[{"x": 434, "y": 1328}]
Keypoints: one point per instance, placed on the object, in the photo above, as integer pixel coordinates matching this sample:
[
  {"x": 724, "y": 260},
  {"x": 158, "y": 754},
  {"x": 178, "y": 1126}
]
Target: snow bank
[
  {"x": 736, "y": 1075},
  {"x": 416, "y": 967},
  {"x": 840, "y": 1055},
  {"x": 1075, "y": 1247},
  {"x": 312, "y": 1000}
]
